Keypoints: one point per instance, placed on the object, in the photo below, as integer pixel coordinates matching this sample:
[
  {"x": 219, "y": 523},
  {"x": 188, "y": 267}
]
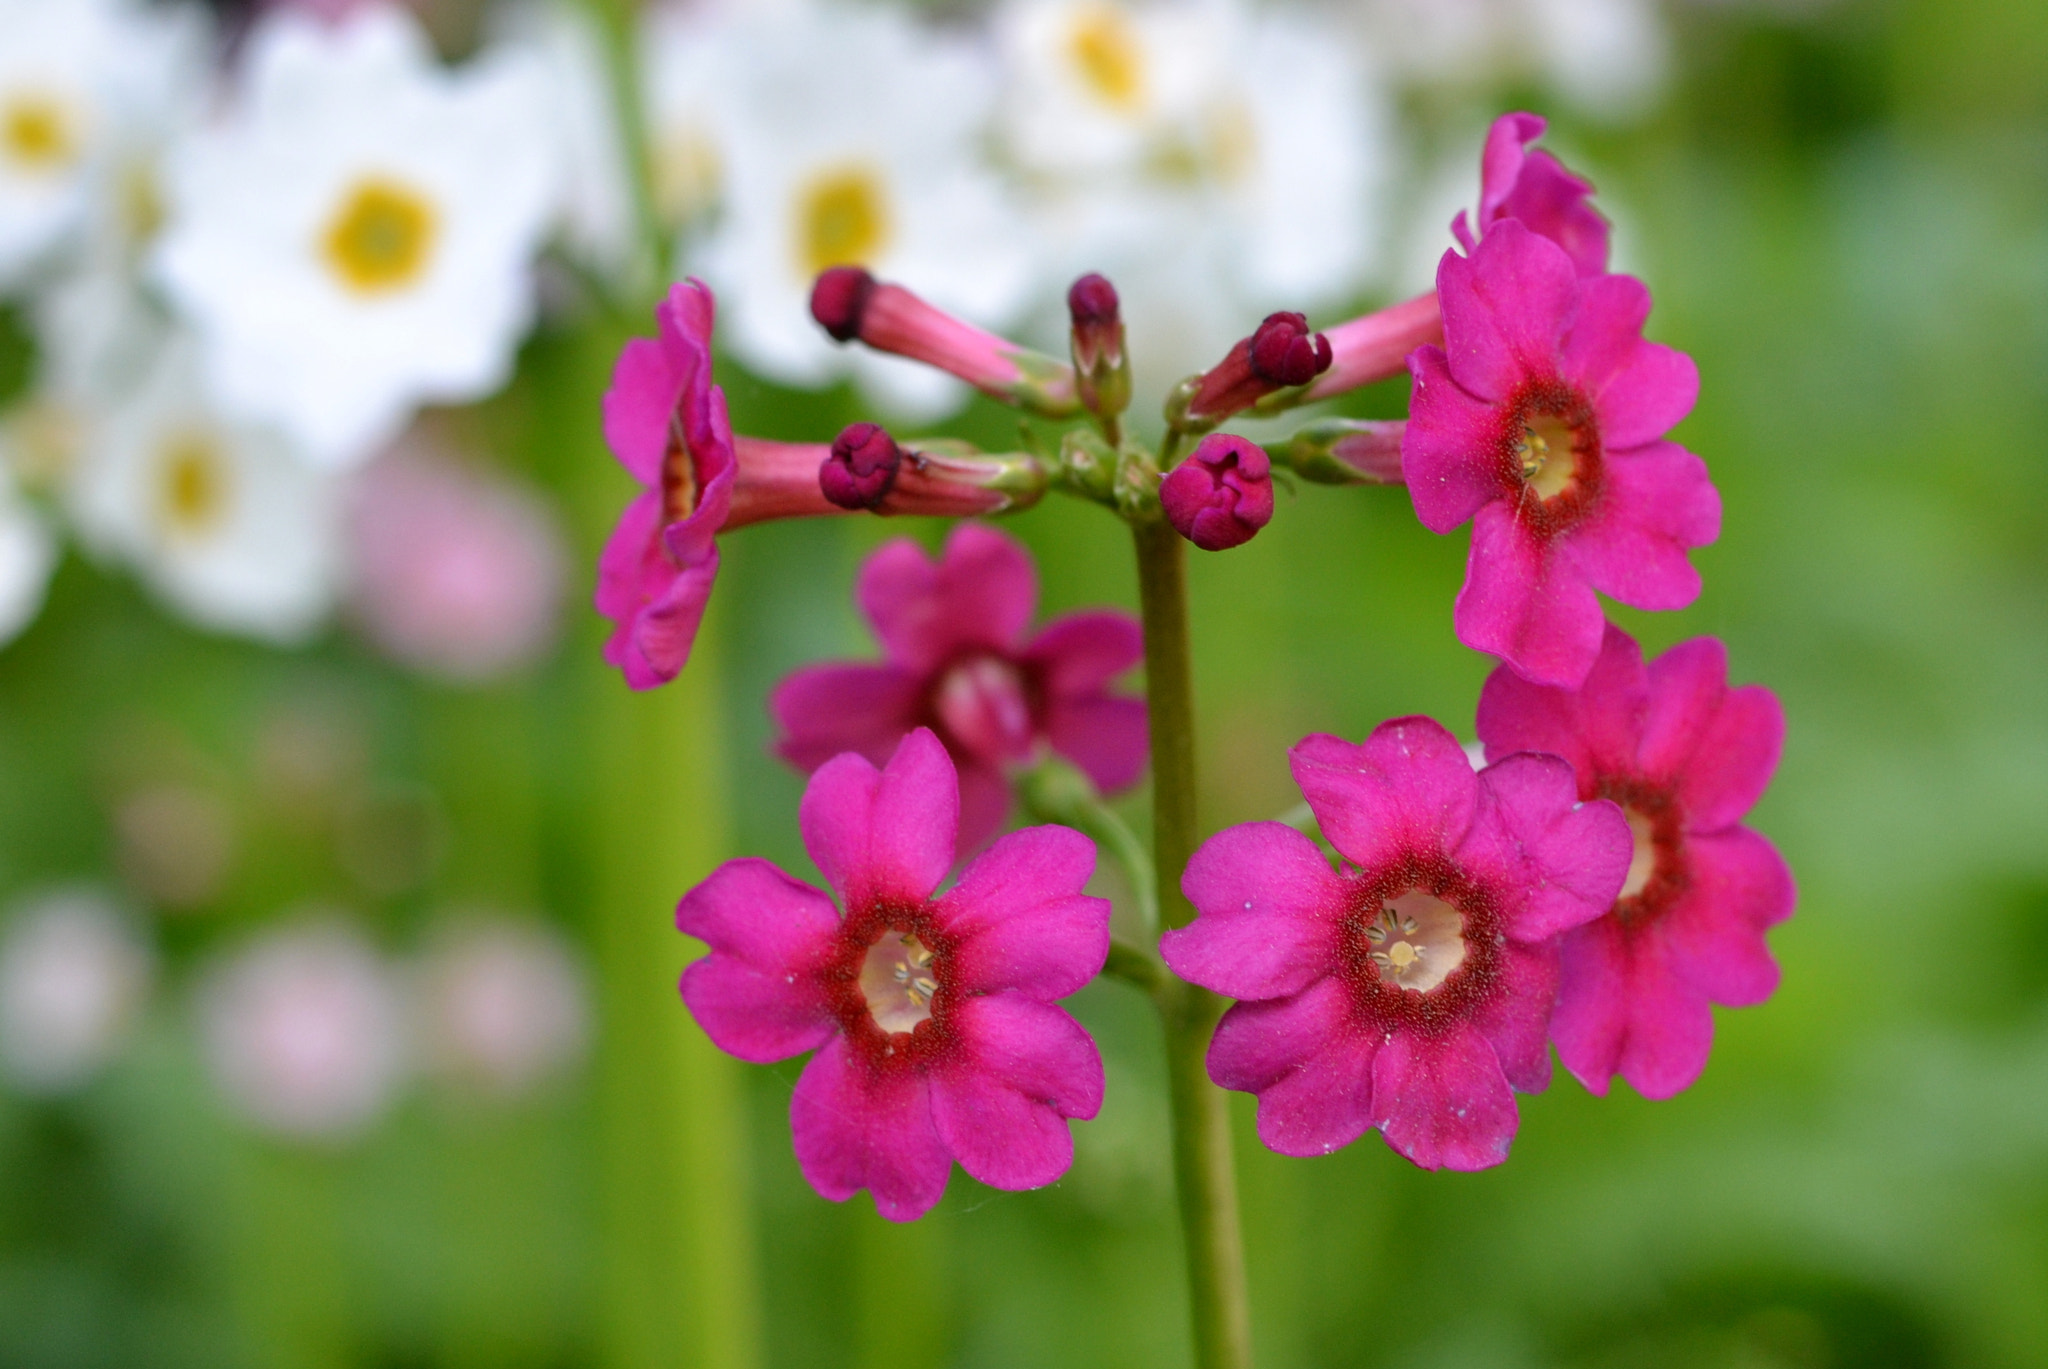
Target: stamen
[
  {"x": 898, "y": 982},
  {"x": 1420, "y": 939}
]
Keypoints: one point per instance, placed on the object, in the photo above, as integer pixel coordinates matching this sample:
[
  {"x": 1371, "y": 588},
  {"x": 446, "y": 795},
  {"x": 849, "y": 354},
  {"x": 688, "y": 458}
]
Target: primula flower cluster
[{"x": 1592, "y": 886}]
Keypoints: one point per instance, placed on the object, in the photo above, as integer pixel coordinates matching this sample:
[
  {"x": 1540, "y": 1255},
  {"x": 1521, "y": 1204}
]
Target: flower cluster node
[
  {"x": 839, "y": 300},
  {"x": 861, "y": 468},
  {"x": 1222, "y": 494}
]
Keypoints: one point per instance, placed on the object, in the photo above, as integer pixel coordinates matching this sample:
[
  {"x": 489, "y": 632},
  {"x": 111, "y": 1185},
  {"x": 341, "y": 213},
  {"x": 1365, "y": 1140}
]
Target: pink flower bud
[
  {"x": 1281, "y": 354},
  {"x": 1284, "y": 352},
  {"x": 839, "y": 300},
  {"x": 1221, "y": 495},
  {"x": 861, "y": 469},
  {"x": 1098, "y": 324}
]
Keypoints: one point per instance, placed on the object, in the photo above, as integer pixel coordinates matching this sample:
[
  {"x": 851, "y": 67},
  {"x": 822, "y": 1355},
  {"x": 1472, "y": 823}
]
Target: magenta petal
[
  {"x": 1527, "y": 604},
  {"x": 1736, "y": 756},
  {"x": 856, "y": 1128},
  {"x": 1408, "y": 787},
  {"x": 1324, "y": 1101},
  {"x": 1670, "y": 1026},
  {"x": 1444, "y": 1102},
  {"x": 1515, "y": 1017},
  {"x": 1570, "y": 858},
  {"x": 981, "y": 592},
  {"x": 1592, "y": 1003},
  {"x": 1002, "y": 1109},
  {"x": 886, "y": 835},
  {"x": 1268, "y": 906},
  {"x": 1739, "y": 886},
  {"x": 985, "y": 802},
  {"x": 1506, "y": 310},
  {"x": 660, "y": 634},
  {"x": 1595, "y": 728},
  {"x": 1649, "y": 397},
  {"x": 1104, "y": 735},
  {"x": 1658, "y": 504},
  {"x": 1552, "y": 201},
  {"x": 637, "y": 408},
  {"x": 826, "y": 709},
  {"x": 1604, "y": 338},
  {"x": 758, "y": 995},
  {"x": 1448, "y": 459},
  {"x": 1260, "y": 1042},
  {"x": 1502, "y": 159},
  {"x": 1020, "y": 920},
  {"x": 1688, "y": 685},
  {"x": 1081, "y": 653}
]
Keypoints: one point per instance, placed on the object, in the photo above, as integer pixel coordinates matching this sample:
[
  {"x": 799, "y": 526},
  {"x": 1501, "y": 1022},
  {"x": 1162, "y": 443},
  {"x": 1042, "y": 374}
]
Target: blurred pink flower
[
  {"x": 501, "y": 1004},
  {"x": 932, "y": 1016},
  {"x": 1686, "y": 757},
  {"x": 303, "y": 1030},
  {"x": 73, "y": 972},
  {"x": 1411, "y": 990},
  {"x": 1542, "y": 420},
  {"x": 957, "y": 661},
  {"x": 458, "y": 571}
]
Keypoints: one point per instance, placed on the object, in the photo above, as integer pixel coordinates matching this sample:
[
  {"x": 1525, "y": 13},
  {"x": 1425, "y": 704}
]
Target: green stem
[{"x": 1203, "y": 1169}]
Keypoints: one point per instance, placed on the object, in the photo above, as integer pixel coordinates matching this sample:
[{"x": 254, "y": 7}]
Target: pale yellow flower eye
[
  {"x": 36, "y": 131},
  {"x": 382, "y": 238},
  {"x": 1106, "y": 53},
  {"x": 192, "y": 489},
  {"x": 842, "y": 219}
]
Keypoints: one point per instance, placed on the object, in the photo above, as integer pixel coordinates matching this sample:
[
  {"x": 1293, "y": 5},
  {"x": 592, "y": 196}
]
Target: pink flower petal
[
  {"x": 661, "y": 632},
  {"x": 824, "y": 710},
  {"x": 1002, "y": 1109},
  {"x": 758, "y": 995},
  {"x": 1658, "y": 504},
  {"x": 856, "y": 1128},
  {"x": 1020, "y": 919},
  {"x": 1408, "y": 787},
  {"x": 1591, "y": 1018},
  {"x": 1670, "y": 1026},
  {"x": 1648, "y": 398},
  {"x": 981, "y": 592},
  {"x": 1104, "y": 735},
  {"x": 1448, "y": 459},
  {"x": 1443, "y": 1102},
  {"x": 985, "y": 802},
  {"x": 1515, "y": 1019},
  {"x": 1739, "y": 886},
  {"x": 1734, "y": 761},
  {"x": 1569, "y": 858},
  {"x": 1262, "y": 1041},
  {"x": 1595, "y": 728},
  {"x": 637, "y": 408},
  {"x": 1082, "y": 653},
  {"x": 1506, "y": 310},
  {"x": 1552, "y": 201},
  {"x": 1605, "y": 336},
  {"x": 1527, "y": 604},
  {"x": 1268, "y": 906},
  {"x": 1324, "y": 1103},
  {"x": 886, "y": 835}
]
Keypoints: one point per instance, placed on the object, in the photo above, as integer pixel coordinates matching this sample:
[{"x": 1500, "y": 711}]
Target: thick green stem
[{"x": 1203, "y": 1169}]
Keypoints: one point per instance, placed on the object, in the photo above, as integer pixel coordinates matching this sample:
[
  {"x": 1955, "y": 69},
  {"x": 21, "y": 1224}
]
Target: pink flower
[
  {"x": 1531, "y": 188},
  {"x": 1542, "y": 418},
  {"x": 666, "y": 423},
  {"x": 1685, "y": 756},
  {"x": 932, "y": 1016},
  {"x": 1411, "y": 989},
  {"x": 958, "y": 662},
  {"x": 1535, "y": 190},
  {"x": 1222, "y": 494},
  {"x": 1279, "y": 354}
]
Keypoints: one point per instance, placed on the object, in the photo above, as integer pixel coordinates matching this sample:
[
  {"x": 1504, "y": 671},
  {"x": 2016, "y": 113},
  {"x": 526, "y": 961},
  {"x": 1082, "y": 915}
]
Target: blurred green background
[{"x": 1844, "y": 216}]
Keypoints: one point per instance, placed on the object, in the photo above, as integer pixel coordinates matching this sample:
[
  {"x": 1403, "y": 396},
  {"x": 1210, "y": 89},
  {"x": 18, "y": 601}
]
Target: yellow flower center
[
  {"x": 896, "y": 979},
  {"x": 382, "y": 237},
  {"x": 1642, "y": 861},
  {"x": 141, "y": 202},
  {"x": 687, "y": 174},
  {"x": 1548, "y": 455},
  {"x": 193, "y": 485},
  {"x": 842, "y": 216},
  {"x": 1106, "y": 53},
  {"x": 1417, "y": 940},
  {"x": 36, "y": 131}
]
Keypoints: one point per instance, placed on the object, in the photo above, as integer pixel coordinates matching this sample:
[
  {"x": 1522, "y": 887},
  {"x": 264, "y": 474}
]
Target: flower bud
[
  {"x": 1280, "y": 355},
  {"x": 1345, "y": 451},
  {"x": 839, "y": 300},
  {"x": 1101, "y": 369},
  {"x": 1221, "y": 495},
  {"x": 861, "y": 467}
]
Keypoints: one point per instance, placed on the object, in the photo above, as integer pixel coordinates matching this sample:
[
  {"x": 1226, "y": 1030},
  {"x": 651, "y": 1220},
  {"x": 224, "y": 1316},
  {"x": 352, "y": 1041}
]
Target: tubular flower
[
  {"x": 1280, "y": 353},
  {"x": 1685, "y": 756},
  {"x": 866, "y": 468},
  {"x": 932, "y": 1015},
  {"x": 1411, "y": 989},
  {"x": 1531, "y": 188},
  {"x": 1542, "y": 418},
  {"x": 957, "y": 661},
  {"x": 1221, "y": 495},
  {"x": 666, "y": 423}
]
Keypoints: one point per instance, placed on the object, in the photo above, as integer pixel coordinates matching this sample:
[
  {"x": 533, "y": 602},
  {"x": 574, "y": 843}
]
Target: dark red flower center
[
  {"x": 887, "y": 980},
  {"x": 1420, "y": 944},
  {"x": 1549, "y": 456},
  {"x": 1657, "y": 869},
  {"x": 985, "y": 705},
  {"x": 678, "y": 474}
]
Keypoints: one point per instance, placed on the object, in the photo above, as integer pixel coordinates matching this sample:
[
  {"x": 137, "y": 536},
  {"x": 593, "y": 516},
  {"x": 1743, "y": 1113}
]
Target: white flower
[
  {"x": 220, "y": 518},
  {"x": 356, "y": 238},
  {"x": 502, "y": 1004},
  {"x": 303, "y": 1031},
  {"x": 72, "y": 974},
  {"x": 689, "y": 69},
  {"x": 854, "y": 141},
  {"x": 1214, "y": 164},
  {"x": 28, "y": 554},
  {"x": 80, "y": 81},
  {"x": 1608, "y": 58}
]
